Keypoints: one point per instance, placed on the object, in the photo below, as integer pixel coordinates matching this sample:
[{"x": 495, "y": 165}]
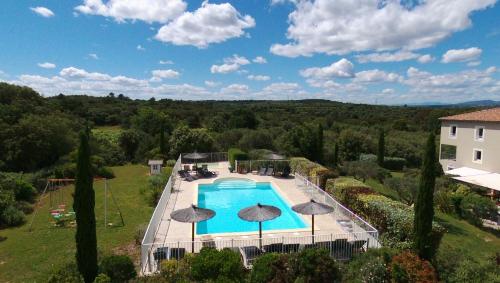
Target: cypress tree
[
  {"x": 336, "y": 155},
  {"x": 381, "y": 148},
  {"x": 83, "y": 205},
  {"x": 424, "y": 206},
  {"x": 319, "y": 150}
]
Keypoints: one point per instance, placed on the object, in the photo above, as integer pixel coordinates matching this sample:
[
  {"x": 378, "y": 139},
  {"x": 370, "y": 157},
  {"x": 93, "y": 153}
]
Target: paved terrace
[{"x": 292, "y": 190}]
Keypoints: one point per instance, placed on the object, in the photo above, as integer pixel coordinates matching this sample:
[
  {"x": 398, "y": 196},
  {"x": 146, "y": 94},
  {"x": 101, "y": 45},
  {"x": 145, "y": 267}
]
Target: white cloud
[
  {"x": 159, "y": 75},
  {"x": 258, "y": 78},
  {"x": 376, "y": 76},
  {"x": 235, "y": 89},
  {"x": 424, "y": 59},
  {"x": 259, "y": 60},
  {"x": 388, "y": 91},
  {"x": 211, "y": 23},
  {"x": 166, "y": 62},
  {"x": 73, "y": 80},
  {"x": 93, "y": 56},
  {"x": 340, "y": 27},
  {"x": 47, "y": 65},
  {"x": 211, "y": 83},
  {"x": 42, "y": 11},
  {"x": 387, "y": 57},
  {"x": 140, "y": 48},
  {"x": 149, "y": 11},
  {"x": 342, "y": 68},
  {"x": 231, "y": 64},
  {"x": 461, "y": 55},
  {"x": 474, "y": 63}
]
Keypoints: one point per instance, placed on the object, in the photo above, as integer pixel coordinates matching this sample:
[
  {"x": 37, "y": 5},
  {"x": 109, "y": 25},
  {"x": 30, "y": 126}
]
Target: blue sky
[{"x": 369, "y": 51}]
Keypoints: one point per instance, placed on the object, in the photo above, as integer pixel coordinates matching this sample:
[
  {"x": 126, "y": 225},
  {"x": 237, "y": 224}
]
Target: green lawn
[
  {"x": 467, "y": 238},
  {"x": 31, "y": 256}
]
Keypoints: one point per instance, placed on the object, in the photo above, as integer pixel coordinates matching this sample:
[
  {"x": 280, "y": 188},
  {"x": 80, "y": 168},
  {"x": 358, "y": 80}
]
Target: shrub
[
  {"x": 119, "y": 268},
  {"x": 102, "y": 278},
  {"x": 211, "y": 264},
  {"x": 408, "y": 267},
  {"x": 12, "y": 216},
  {"x": 323, "y": 177},
  {"x": 170, "y": 163},
  {"x": 394, "y": 163},
  {"x": 139, "y": 233},
  {"x": 25, "y": 207},
  {"x": 369, "y": 267},
  {"x": 475, "y": 208},
  {"x": 66, "y": 274},
  {"x": 315, "y": 265},
  {"x": 363, "y": 170},
  {"x": 236, "y": 154},
  {"x": 169, "y": 270},
  {"x": 105, "y": 172},
  {"x": 469, "y": 270},
  {"x": 270, "y": 267}
]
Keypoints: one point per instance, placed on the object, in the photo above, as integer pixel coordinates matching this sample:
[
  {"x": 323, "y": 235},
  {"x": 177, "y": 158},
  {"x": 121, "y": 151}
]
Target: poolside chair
[
  {"x": 249, "y": 254},
  {"x": 270, "y": 171},
  {"x": 356, "y": 247},
  {"x": 160, "y": 254},
  {"x": 291, "y": 248},
  {"x": 177, "y": 253},
  {"x": 262, "y": 171},
  {"x": 286, "y": 172},
  {"x": 273, "y": 248},
  {"x": 187, "y": 177},
  {"x": 340, "y": 249}
]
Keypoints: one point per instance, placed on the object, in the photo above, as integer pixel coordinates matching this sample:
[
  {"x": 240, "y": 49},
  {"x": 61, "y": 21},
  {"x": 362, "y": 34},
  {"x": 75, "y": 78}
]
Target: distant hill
[{"x": 467, "y": 104}]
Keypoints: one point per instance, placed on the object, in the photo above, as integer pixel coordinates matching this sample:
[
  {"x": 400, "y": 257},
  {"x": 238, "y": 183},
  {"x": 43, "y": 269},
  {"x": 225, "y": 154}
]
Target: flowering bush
[{"x": 408, "y": 267}]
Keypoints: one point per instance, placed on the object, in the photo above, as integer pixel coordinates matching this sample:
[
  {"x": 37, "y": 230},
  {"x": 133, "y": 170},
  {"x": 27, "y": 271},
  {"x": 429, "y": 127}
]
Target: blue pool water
[{"x": 228, "y": 196}]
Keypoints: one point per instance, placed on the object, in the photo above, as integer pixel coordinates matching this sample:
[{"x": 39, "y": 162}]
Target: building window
[
  {"x": 453, "y": 131},
  {"x": 448, "y": 152},
  {"x": 479, "y": 133},
  {"x": 477, "y": 155}
]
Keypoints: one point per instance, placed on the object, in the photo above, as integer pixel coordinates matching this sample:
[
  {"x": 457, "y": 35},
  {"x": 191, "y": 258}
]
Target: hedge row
[
  {"x": 317, "y": 172},
  {"x": 236, "y": 154},
  {"x": 393, "y": 219},
  {"x": 391, "y": 163}
]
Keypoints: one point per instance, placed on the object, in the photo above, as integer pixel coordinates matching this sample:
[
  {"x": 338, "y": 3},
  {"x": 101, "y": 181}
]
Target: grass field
[{"x": 32, "y": 256}]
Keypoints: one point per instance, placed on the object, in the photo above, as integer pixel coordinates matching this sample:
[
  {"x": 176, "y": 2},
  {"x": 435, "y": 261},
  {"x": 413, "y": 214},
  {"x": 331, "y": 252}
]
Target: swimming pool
[{"x": 230, "y": 195}]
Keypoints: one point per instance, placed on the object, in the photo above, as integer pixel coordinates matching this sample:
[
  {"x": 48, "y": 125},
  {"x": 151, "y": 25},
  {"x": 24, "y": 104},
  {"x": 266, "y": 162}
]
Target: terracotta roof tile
[{"x": 487, "y": 115}]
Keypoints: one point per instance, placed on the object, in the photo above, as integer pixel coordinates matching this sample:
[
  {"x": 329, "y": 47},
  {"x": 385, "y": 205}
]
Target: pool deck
[{"x": 185, "y": 193}]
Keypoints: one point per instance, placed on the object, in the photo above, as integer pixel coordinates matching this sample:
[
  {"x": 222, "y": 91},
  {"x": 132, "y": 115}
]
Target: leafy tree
[
  {"x": 381, "y": 148},
  {"x": 83, "y": 205},
  {"x": 406, "y": 188},
  {"x": 319, "y": 149},
  {"x": 424, "y": 206},
  {"x": 129, "y": 141},
  {"x": 162, "y": 140},
  {"x": 184, "y": 140},
  {"x": 256, "y": 139},
  {"x": 351, "y": 144},
  {"x": 150, "y": 121},
  {"x": 243, "y": 118}
]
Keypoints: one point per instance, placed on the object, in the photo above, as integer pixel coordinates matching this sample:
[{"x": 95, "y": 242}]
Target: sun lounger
[
  {"x": 187, "y": 177},
  {"x": 249, "y": 254},
  {"x": 273, "y": 248},
  {"x": 160, "y": 254},
  {"x": 340, "y": 249},
  {"x": 270, "y": 171},
  {"x": 291, "y": 248},
  {"x": 262, "y": 171},
  {"x": 177, "y": 253}
]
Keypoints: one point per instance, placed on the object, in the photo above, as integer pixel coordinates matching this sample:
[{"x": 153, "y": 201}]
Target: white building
[{"x": 470, "y": 148}]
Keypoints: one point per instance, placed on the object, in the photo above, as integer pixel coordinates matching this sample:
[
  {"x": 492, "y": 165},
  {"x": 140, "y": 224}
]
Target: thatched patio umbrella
[
  {"x": 196, "y": 156},
  {"x": 312, "y": 208},
  {"x": 192, "y": 214},
  {"x": 259, "y": 213}
]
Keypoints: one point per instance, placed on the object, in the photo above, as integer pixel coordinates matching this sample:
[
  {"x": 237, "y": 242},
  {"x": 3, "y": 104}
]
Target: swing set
[{"x": 61, "y": 214}]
